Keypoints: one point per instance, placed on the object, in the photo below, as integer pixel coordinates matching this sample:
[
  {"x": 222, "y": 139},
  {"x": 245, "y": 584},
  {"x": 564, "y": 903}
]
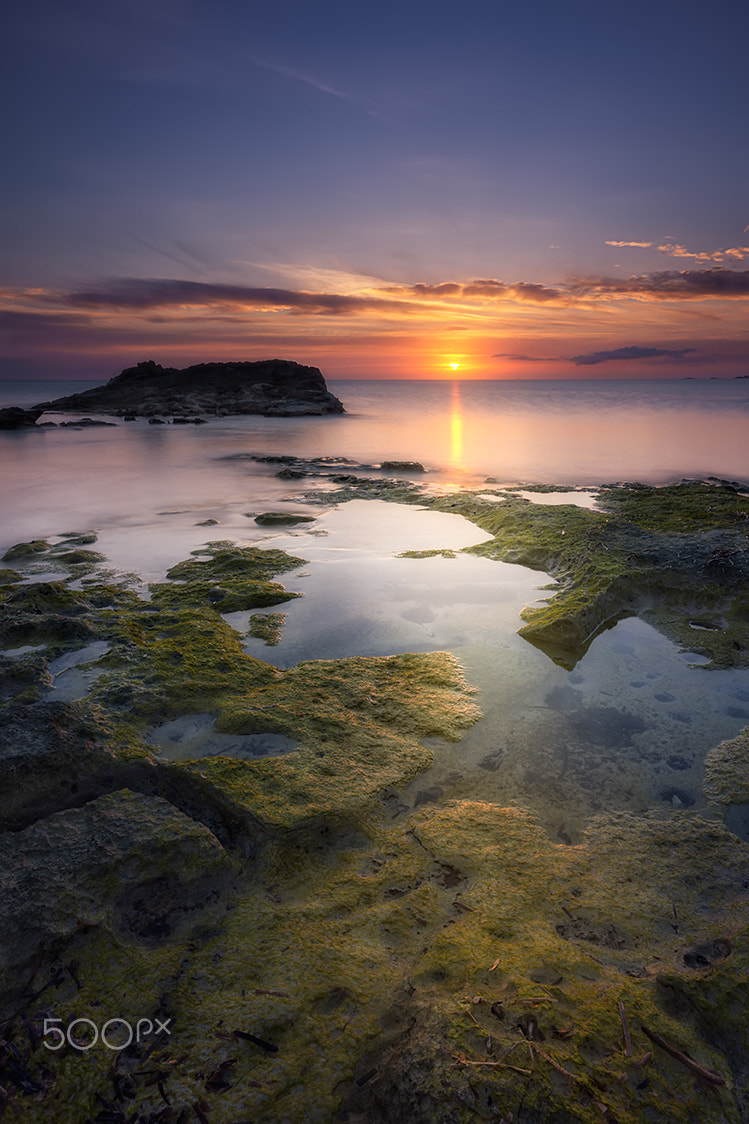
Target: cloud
[
  {"x": 486, "y": 289},
  {"x": 667, "y": 285},
  {"x": 675, "y": 249},
  {"x": 526, "y": 358},
  {"x": 142, "y": 295},
  {"x": 639, "y": 245},
  {"x": 180, "y": 301},
  {"x": 299, "y": 76},
  {"x": 595, "y": 357}
]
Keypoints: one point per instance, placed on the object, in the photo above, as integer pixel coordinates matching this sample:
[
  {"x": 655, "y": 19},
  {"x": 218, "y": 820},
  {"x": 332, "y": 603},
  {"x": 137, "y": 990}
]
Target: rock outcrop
[
  {"x": 13, "y": 417},
  {"x": 272, "y": 387}
]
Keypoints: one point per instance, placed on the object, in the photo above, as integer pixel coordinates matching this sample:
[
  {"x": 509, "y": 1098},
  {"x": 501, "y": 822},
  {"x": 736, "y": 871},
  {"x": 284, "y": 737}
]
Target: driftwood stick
[
  {"x": 501, "y": 1065},
  {"x": 553, "y": 1062},
  {"x": 625, "y": 1028},
  {"x": 709, "y": 1076}
]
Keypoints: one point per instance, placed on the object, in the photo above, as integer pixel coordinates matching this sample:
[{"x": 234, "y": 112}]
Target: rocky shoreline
[{"x": 318, "y": 946}]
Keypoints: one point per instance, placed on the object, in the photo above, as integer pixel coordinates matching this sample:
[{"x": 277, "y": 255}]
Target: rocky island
[{"x": 271, "y": 387}]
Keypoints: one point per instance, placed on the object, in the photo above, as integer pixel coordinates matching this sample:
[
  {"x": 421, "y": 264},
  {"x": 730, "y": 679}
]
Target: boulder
[
  {"x": 13, "y": 417},
  {"x": 273, "y": 387}
]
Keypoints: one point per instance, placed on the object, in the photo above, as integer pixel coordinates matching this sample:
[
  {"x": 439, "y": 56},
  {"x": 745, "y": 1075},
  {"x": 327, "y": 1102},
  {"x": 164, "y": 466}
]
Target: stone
[
  {"x": 281, "y": 518},
  {"x": 272, "y": 387},
  {"x": 13, "y": 417},
  {"x": 402, "y": 466},
  {"x": 128, "y": 860}
]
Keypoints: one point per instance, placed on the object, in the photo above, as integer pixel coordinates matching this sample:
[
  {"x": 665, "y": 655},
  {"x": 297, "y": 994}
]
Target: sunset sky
[{"x": 417, "y": 189}]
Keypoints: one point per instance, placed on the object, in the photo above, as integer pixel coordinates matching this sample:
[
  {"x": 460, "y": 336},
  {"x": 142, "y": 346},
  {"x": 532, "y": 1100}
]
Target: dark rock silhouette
[
  {"x": 272, "y": 387},
  {"x": 13, "y": 417}
]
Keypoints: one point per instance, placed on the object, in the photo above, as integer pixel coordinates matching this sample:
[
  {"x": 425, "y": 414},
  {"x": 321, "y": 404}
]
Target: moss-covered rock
[
  {"x": 26, "y": 550},
  {"x": 727, "y": 771},
  {"x": 267, "y": 627},
  {"x": 282, "y": 519},
  {"x": 668, "y": 554}
]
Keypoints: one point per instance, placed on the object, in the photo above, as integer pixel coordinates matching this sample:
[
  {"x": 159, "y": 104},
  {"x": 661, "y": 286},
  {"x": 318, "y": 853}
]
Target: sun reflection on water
[{"x": 456, "y": 428}]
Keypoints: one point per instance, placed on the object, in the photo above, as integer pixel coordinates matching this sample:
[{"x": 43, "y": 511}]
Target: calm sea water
[
  {"x": 629, "y": 728},
  {"x": 580, "y": 432}
]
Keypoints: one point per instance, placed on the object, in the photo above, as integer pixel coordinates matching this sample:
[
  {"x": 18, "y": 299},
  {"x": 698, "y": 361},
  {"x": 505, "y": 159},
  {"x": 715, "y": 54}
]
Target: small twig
[
  {"x": 700, "y": 1071},
  {"x": 625, "y": 1028},
  {"x": 501, "y": 1065},
  {"x": 553, "y": 1062}
]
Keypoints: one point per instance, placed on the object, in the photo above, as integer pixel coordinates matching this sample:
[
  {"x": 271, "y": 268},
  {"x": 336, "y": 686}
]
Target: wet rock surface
[{"x": 326, "y": 939}]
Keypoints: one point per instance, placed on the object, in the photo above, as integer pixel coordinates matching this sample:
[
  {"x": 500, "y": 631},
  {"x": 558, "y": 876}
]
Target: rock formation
[
  {"x": 13, "y": 417},
  {"x": 272, "y": 387}
]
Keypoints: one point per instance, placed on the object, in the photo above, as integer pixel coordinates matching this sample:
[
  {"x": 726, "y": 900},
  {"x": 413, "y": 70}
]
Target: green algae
[
  {"x": 689, "y": 506},
  {"x": 60, "y": 555},
  {"x": 402, "y": 466},
  {"x": 727, "y": 771},
  {"x": 26, "y": 550},
  {"x": 267, "y": 627},
  {"x": 281, "y": 519},
  {"x": 227, "y": 597},
  {"x": 385, "y": 962},
  {"x": 223, "y": 561},
  {"x": 391, "y": 972},
  {"x": 427, "y": 554},
  {"x": 358, "y": 722},
  {"x": 667, "y": 554},
  {"x": 365, "y": 488}
]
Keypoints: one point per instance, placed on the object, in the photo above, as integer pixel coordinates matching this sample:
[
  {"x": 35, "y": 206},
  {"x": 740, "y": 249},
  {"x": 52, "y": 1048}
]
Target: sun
[{"x": 453, "y": 366}]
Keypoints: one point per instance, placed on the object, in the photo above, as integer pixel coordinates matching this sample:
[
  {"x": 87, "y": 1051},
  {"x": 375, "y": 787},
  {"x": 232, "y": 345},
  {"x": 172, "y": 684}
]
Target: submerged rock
[{"x": 272, "y": 387}]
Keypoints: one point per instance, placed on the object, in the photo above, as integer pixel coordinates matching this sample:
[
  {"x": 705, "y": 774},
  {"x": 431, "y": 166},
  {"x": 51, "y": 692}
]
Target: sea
[{"x": 627, "y": 729}]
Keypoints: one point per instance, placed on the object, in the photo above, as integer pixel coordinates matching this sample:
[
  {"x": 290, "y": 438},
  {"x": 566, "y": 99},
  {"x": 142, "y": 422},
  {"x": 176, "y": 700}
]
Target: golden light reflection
[{"x": 456, "y": 428}]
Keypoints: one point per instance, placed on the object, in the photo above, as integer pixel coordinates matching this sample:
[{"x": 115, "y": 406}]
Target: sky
[{"x": 383, "y": 190}]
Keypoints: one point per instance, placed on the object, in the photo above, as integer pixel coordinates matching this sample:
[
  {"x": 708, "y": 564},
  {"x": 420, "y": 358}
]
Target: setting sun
[{"x": 453, "y": 366}]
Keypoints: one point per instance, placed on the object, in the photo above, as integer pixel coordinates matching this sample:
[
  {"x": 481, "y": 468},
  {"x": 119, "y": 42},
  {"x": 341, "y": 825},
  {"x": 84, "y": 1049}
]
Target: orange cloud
[{"x": 639, "y": 245}]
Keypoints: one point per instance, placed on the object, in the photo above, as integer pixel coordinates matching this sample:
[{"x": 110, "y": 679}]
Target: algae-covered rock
[
  {"x": 727, "y": 771},
  {"x": 26, "y": 550},
  {"x": 24, "y": 676},
  {"x": 552, "y": 956},
  {"x": 359, "y": 723},
  {"x": 402, "y": 466},
  {"x": 52, "y": 754},
  {"x": 130, "y": 861},
  {"x": 667, "y": 554},
  {"x": 282, "y": 518},
  {"x": 267, "y": 627}
]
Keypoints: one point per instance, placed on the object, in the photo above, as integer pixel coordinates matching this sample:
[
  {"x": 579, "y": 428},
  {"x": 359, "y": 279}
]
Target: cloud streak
[
  {"x": 639, "y": 245},
  {"x": 593, "y": 358},
  {"x": 667, "y": 285},
  {"x": 672, "y": 248},
  {"x": 143, "y": 295}
]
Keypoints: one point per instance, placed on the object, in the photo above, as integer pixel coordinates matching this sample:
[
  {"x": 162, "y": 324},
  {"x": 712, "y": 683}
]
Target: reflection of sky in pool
[{"x": 629, "y": 728}]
